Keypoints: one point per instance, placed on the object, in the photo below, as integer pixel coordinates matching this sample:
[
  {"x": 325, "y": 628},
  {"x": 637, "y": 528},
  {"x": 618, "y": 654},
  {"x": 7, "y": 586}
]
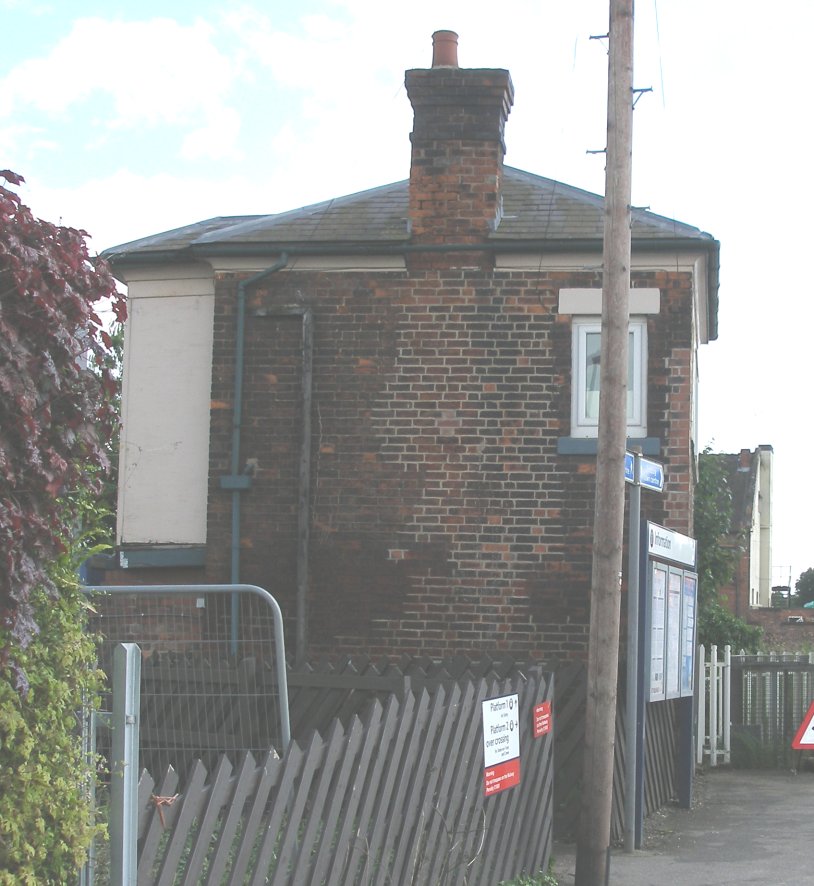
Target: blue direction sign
[{"x": 651, "y": 473}]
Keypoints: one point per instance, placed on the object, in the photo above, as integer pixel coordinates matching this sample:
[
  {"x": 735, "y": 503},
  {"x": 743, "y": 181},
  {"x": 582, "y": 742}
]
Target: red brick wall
[
  {"x": 781, "y": 635},
  {"x": 457, "y": 152},
  {"x": 670, "y": 404},
  {"x": 442, "y": 518},
  {"x": 737, "y": 594}
]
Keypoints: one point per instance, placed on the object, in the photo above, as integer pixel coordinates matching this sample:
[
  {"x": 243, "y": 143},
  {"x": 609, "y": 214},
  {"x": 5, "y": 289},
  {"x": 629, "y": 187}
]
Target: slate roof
[{"x": 535, "y": 209}]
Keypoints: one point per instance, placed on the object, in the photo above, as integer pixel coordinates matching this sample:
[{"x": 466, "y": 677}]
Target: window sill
[
  {"x": 587, "y": 445},
  {"x": 161, "y": 556}
]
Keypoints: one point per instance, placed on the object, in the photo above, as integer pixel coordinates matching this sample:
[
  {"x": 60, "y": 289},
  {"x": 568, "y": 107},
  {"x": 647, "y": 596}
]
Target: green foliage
[
  {"x": 713, "y": 523},
  {"x": 718, "y": 626},
  {"x": 45, "y": 821},
  {"x": 717, "y": 553},
  {"x": 112, "y": 362},
  {"x": 805, "y": 587},
  {"x": 541, "y": 879},
  {"x": 751, "y": 750},
  {"x": 56, "y": 415}
]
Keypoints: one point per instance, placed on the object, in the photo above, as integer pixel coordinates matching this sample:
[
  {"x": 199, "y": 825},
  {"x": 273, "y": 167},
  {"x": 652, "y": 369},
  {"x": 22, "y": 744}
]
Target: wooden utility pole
[{"x": 606, "y": 582}]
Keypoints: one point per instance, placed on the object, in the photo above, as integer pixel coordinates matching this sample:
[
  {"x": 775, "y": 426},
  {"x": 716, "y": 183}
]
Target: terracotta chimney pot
[{"x": 445, "y": 49}]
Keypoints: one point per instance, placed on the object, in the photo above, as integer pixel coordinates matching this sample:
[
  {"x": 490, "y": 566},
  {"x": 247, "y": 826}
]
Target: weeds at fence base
[
  {"x": 541, "y": 879},
  {"x": 751, "y": 751}
]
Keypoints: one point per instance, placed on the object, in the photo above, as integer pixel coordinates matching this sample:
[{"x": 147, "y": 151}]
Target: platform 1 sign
[
  {"x": 501, "y": 744},
  {"x": 804, "y": 740}
]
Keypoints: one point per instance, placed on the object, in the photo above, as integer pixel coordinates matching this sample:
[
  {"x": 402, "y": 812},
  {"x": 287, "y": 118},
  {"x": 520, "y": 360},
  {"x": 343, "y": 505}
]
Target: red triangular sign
[{"x": 804, "y": 740}]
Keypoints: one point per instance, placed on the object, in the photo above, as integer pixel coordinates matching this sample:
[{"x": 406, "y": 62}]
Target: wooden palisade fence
[
  {"x": 395, "y": 796},
  {"x": 659, "y": 772}
]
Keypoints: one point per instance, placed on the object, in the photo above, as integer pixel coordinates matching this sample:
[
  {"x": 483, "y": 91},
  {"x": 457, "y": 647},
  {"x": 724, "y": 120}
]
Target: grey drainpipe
[{"x": 240, "y": 482}]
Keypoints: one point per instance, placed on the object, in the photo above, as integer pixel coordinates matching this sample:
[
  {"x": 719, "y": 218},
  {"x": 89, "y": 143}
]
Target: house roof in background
[
  {"x": 741, "y": 471},
  {"x": 742, "y": 479}
]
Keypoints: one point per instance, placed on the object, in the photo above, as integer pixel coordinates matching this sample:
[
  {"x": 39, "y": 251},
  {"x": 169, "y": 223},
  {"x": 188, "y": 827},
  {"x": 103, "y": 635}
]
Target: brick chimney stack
[{"x": 456, "y": 168}]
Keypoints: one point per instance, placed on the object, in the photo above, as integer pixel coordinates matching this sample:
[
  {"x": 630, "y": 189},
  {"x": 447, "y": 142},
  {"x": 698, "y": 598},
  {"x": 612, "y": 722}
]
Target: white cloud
[
  {"x": 217, "y": 139},
  {"x": 16, "y": 133},
  {"x": 150, "y": 73}
]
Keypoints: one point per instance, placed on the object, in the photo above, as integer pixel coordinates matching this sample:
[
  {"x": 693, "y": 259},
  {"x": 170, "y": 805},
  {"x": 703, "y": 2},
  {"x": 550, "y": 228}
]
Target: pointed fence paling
[
  {"x": 395, "y": 796},
  {"x": 713, "y": 729}
]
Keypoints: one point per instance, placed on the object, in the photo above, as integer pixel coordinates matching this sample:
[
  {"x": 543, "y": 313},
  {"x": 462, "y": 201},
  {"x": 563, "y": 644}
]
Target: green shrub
[
  {"x": 542, "y": 879},
  {"x": 718, "y": 626},
  {"x": 45, "y": 815}
]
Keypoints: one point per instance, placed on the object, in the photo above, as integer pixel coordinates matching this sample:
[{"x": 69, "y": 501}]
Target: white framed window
[{"x": 585, "y": 350}]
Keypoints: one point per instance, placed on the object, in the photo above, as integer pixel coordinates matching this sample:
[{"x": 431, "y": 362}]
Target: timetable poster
[
  {"x": 673, "y": 667},
  {"x": 688, "y": 613},
  {"x": 658, "y": 594}
]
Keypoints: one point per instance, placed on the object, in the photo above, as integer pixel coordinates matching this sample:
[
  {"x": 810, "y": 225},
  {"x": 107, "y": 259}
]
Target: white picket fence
[{"x": 713, "y": 725}]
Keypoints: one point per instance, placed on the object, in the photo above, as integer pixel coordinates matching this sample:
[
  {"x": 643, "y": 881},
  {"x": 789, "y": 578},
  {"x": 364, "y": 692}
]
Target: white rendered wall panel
[{"x": 164, "y": 457}]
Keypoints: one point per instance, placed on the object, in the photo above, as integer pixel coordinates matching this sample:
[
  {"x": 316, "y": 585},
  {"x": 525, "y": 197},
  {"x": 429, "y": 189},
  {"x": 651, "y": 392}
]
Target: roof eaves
[
  {"x": 119, "y": 258},
  {"x": 174, "y": 242}
]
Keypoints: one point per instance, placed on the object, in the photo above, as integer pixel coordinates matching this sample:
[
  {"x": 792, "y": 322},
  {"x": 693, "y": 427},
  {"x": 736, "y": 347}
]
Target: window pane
[
  {"x": 593, "y": 344},
  {"x": 592, "y": 351}
]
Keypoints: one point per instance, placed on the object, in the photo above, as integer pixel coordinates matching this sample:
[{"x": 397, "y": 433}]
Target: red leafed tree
[{"x": 56, "y": 413}]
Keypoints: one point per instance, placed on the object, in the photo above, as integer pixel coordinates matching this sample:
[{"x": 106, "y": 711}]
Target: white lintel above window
[{"x": 646, "y": 300}]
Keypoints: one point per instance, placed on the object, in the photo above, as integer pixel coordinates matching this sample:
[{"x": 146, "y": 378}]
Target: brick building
[
  {"x": 749, "y": 595},
  {"x": 382, "y": 408},
  {"x": 749, "y": 477}
]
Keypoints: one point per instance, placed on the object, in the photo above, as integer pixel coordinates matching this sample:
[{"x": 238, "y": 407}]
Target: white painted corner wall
[{"x": 166, "y": 384}]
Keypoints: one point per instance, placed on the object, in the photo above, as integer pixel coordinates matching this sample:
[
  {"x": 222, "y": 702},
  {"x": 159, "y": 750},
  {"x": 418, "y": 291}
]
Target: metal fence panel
[
  {"x": 770, "y": 696},
  {"x": 200, "y": 695}
]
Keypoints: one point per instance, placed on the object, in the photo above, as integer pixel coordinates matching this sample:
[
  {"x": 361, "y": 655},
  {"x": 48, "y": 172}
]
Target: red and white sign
[
  {"x": 542, "y": 719},
  {"x": 501, "y": 743},
  {"x": 804, "y": 740},
  {"x": 498, "y": 778}
]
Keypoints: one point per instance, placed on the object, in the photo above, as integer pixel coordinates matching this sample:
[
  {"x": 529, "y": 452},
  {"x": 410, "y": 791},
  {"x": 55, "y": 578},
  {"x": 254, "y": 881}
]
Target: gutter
[
  {"x": 201, "y": 251},
  {"x": 400, "y": 247}
]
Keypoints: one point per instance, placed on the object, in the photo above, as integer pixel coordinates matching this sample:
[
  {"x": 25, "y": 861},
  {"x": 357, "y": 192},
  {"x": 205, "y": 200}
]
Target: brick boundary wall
[{"x": 779, "y": 634}]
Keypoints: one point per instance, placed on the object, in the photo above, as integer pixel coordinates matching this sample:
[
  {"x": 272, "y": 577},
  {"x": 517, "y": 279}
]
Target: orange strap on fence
[{"x": 160, "y": 803}]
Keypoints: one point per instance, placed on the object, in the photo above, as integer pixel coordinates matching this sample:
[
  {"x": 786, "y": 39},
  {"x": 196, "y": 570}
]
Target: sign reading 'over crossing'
[{"x": 501, "y": 744}]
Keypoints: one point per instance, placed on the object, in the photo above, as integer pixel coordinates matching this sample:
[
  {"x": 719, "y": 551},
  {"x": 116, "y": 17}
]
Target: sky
[{"x": 131, "y": 118}]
